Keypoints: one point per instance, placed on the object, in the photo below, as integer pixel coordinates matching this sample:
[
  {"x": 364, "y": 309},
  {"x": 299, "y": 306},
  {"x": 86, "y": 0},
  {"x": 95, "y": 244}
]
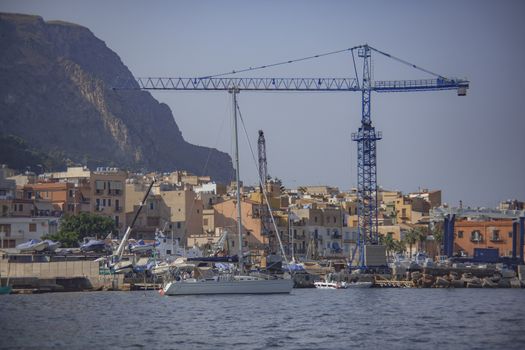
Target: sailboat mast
[{"x": 234, "y": 91}]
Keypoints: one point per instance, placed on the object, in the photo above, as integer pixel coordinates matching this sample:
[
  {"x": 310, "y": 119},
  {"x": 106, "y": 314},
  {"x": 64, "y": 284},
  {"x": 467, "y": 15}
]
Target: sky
[{"x": 469, "y": 147}]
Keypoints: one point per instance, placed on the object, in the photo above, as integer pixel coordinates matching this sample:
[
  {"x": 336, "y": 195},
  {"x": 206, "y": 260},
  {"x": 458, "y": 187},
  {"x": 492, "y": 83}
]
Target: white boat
[
  {"x": 34, "y": 245},
  {"x": 52, "y": 246},
  {"x": 211, "y": 281},
  {"x": 341, "y": 285},
  {"x": 222, "y": 284},
  {"x": 330, "y": 285}
]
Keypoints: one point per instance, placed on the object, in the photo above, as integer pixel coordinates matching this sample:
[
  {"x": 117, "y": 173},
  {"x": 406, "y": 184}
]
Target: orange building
[
  {"x": 226, "y": 217},
  {"x": 63, "y": 196},
  {"x": 484, "y": 234}
]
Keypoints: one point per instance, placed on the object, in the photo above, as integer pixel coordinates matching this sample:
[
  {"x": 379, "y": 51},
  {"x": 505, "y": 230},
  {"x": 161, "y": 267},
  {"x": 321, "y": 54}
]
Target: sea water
[{"x": 305, "y": 319}]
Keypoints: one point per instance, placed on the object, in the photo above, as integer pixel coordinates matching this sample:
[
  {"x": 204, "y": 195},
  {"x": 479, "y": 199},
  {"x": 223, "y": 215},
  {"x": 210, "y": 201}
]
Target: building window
[
  {"x": 315, "y": 218},
  {"x": 151, "y": 205},
  {"x": 104, "y": 202},
  {"x": 476, "y": 236},
  {"x": 233, "y": 244},
  {"x": 205, "y": 222},
  {"x": 117, "y": 220},
  {"x": 335, "y": 220},
  {"x": 109, "y": 202},
  {"x": 32, "y": 227},
  {"x": 168, "y": 251},
  {"x": 178, "y": 224},
  {"x": 70, "y": 193},
  {"x": 460, "y": 234},
  {"x": 20, "y": 207},
  {"x": 198, "y": 211},
  {"x": 510, "y": 234},
  {"x": 495, "y": 236}
]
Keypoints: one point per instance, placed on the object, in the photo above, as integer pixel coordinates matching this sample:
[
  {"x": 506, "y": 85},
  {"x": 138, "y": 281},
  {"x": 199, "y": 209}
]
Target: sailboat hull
[{"x": 199, "y": 287}]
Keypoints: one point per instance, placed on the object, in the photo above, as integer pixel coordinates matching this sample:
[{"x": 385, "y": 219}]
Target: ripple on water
[{"x": 393, "y": 318}]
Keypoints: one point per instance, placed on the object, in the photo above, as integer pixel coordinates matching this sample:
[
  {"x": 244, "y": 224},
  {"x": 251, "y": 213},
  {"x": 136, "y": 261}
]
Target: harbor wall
[{"x": 59, "y": 276}]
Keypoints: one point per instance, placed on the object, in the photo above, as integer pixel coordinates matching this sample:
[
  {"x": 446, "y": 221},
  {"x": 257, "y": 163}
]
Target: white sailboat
[{"x": 195, "y": 281}]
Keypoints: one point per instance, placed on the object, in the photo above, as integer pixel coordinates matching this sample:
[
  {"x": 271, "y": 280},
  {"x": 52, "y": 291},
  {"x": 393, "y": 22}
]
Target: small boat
[
  {"x": 52, "y": 246},
  {"x": 160, "y": 268},
  {"x": 123, "y": 266},
  {"x": 5, "y": 290},
  {"x": 142, "y": 246},
  {"x": 330, "y": 285},
  {"x": 34, "y": 245},
  {"x": 93, "y": 245}
]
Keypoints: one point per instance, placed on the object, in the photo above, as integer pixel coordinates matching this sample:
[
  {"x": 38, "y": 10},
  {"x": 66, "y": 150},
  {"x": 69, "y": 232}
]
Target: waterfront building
[
  {"x": 16, "y": 230},
  {"x": 108, "y": 194},
  {"x": 471, "y": 234},
  {"x": 225, "y": 217},
  {"x": 186, "y": 212}
]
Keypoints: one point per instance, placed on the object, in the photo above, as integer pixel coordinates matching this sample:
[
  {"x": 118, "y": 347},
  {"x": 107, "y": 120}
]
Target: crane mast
[
  {"x": 263, "y": 166},
  {"x": 366, "y": 137}
]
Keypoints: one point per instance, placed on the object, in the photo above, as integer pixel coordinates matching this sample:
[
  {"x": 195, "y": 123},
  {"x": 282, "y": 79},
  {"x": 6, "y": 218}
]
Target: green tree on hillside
[{"x": 75, "y": 228}]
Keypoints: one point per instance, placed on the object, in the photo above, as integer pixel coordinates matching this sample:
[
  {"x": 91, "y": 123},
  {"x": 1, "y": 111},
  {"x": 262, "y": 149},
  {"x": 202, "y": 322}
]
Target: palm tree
[
  {"x": 421, "y": 234},
  {"x": 410, "y": 239},
  {"x": 437, "y": 233},
  {"x": 389, "y": 242}
]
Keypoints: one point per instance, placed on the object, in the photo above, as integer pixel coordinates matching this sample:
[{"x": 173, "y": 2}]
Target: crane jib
[{"x": 288, "y": 84}]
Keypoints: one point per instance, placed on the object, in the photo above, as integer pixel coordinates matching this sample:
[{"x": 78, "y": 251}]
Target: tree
[
  {"x": 389, "y": 242},
  {"x": 411, "y": 238},
  {"x": 421, "y": 235},
  {"x": 75, "y": 228},
  {"x": 437, "y": 232}
]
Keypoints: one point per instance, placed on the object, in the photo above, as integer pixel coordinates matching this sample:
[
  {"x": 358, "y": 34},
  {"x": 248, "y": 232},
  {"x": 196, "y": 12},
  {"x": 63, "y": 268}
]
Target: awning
[{"x": 45, "y": 206}]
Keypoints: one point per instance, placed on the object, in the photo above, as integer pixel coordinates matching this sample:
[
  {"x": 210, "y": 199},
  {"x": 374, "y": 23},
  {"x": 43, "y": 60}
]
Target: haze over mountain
[{"x": 57, "y": 106}]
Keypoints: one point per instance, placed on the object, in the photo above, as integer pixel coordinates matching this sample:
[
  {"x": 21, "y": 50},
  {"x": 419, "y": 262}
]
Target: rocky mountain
[{"x": 56, "y": 100}]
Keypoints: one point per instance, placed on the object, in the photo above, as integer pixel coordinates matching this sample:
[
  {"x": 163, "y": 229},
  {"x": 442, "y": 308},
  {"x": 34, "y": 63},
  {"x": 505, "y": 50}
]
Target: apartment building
[
  {"x": 108, "y": 194},
  {"x": 470, "y": 234}
]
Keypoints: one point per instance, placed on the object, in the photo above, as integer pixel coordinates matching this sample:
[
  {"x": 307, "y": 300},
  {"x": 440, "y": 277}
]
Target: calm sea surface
[{"x": 306, "y": 319}]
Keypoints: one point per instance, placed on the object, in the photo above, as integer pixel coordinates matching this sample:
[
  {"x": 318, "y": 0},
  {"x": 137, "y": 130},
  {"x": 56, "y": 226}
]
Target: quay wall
[{"x": 67, "y": 275}]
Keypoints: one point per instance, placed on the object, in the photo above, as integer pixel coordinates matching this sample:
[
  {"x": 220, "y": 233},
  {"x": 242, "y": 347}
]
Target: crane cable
[
  {"x": 351, "y": 49},
  {"x": 264, "y": 189},
  {"x": 279, "y": 63},
  {"x": 407, "y": 63}
]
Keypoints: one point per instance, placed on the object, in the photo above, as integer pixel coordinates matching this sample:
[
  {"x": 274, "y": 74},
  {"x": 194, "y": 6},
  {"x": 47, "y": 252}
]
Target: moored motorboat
[{"x": 330, "y": 285}]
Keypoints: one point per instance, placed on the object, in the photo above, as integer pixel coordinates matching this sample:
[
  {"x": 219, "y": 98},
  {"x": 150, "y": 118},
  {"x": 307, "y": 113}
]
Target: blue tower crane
[{"x": 366, "y": 136}]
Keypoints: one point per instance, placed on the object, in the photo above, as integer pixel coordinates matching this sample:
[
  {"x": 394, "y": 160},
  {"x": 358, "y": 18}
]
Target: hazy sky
[{"x": 470, "y": 147}]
